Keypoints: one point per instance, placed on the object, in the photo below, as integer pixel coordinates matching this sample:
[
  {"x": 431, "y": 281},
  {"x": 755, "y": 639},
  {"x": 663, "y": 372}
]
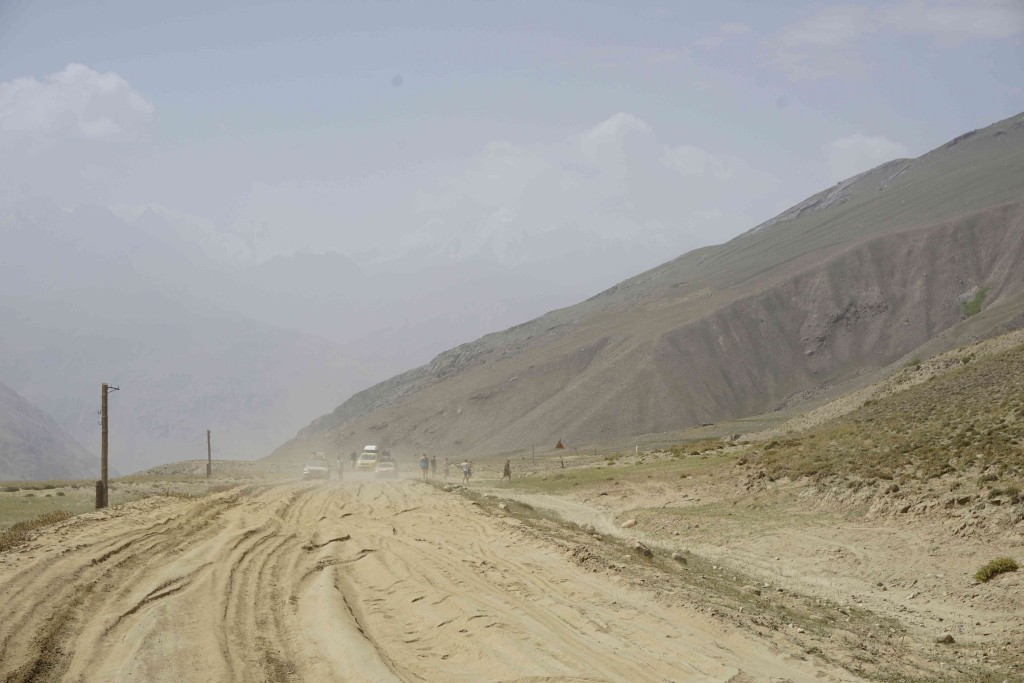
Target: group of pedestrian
[{"x": 428, "y": 467}]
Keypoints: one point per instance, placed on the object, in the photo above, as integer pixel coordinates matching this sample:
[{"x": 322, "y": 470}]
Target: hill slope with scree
[{"x": 843, "y": 284}]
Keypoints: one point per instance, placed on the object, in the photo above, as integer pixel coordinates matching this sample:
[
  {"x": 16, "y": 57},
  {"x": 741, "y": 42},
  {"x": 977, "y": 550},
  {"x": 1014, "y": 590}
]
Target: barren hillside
[
  {"x": 846, "y": 282},
  {"x": 32, "y": 446}
]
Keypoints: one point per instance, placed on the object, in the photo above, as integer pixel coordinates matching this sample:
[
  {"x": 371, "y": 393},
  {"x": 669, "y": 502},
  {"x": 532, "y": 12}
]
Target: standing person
[
  {"x": 353, "y": 458},
  {"x": 447, "y": 468},
  {"x": 470, "y": 469},
  {"x": 433, "y": 466},
  {"x": 507, "y": 472},
  {"x": 465, "y": 471},
  {"x": 341, "y": 467},
  {"x": 424, "y": 464}
]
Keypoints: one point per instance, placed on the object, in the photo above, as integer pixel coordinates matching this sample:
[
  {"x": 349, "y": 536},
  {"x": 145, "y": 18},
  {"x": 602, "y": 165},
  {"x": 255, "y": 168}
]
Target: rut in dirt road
[{"x": 341, "y": 582}]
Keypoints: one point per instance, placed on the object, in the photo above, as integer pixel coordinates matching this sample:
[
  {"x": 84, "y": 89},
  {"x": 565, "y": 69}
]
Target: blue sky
[{"x": 385, "y": 126}]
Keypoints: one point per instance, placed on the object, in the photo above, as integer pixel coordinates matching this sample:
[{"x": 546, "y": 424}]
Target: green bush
[
  {"x": 994, "y": 568},
  {"x": 973, "y": 305}
]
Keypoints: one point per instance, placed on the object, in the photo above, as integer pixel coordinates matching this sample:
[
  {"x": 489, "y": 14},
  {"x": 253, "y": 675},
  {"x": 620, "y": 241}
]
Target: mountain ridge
[
  {"x": 32, "y": 446},
  {"x": 957, "y": 208}
]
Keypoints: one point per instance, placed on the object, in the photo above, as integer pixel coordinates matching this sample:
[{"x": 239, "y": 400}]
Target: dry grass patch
[
  {"x": 970, "y": 418},
  {"x": 20, "y": 533}
]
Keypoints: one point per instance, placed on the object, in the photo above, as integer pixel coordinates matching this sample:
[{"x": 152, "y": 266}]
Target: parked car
[
  {"x": 371, "y": 455},
  {"x": 316, "y": 467},
  {"x": 386, "y": 467},
  {"x": 367, "y": 461}
]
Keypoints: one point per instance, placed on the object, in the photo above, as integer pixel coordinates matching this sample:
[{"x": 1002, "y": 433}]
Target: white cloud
[
  {"x": 828, "y": 42},
  {"x": 68, "y": 134},
  {"x": 855, "y": 154},
  {"x": 694, "y": 161},
  {"x": 722, "y": 34},
  {"x": 76, "y": 102},
  {"x": 954, "y": 22},
  {"x": 613, "y": 184}
]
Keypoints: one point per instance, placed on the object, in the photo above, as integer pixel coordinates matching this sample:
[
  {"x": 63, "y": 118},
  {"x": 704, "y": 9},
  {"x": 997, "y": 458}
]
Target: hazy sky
[{"x": 386, "y": 126}]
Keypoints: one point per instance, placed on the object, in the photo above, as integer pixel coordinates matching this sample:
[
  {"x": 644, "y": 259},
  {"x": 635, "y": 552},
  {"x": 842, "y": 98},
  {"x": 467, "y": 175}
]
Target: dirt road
[{"x": 342, "y": 582}]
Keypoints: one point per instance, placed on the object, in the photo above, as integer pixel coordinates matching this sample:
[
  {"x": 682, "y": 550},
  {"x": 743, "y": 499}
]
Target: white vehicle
[
  {"x": 386, "y": 467},
  {"x": 316, "y": 467}
]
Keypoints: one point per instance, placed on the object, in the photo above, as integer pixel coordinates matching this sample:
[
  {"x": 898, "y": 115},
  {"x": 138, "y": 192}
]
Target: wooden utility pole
[
  {"x": 102, "y": 486},
  {"x": 209, "y": 457}
]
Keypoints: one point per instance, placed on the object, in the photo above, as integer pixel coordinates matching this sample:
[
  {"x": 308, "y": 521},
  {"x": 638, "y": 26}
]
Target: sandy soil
[
  {"x": 344, "y": 582},
  {"x": 916, "y": 569}
]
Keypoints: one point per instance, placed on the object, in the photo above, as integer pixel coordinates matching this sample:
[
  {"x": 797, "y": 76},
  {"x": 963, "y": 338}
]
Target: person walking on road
[
  {"x": 447, "y": 468},
  {"x": 424, "y": 464},
  {"x": 465, "y": 471},
  {"x": 433, "y": 466},
  {"x": 353, "y": 458},
  {"x": 507, "y": 472},
  {"x": 341, "y": 468}
]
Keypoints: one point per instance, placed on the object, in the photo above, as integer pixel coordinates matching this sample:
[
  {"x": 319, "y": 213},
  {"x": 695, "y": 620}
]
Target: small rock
[
  {"x": 503, "y": 507},
  {"x": 640, "y": 549},
  {"x": 945, "y": 638},
  {"x": 628, "y": 524},
  {"x": 752, "y": 590},
  {"x": 590, "y": 529},
  {"x": 448, "y": 488},
  {"x": 679, "y": 557}
]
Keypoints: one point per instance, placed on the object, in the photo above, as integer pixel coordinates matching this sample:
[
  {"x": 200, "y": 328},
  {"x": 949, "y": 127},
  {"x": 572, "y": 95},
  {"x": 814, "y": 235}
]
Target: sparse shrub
[
  {"x": 60, "y": 493},
  {"x": 11, "y": 489},
  {"x": 913, "y": 363},
  {"x": 1011, "y": 492},
  {"x": 994, "y": 568},
  {"x": 30, "y": 495}
]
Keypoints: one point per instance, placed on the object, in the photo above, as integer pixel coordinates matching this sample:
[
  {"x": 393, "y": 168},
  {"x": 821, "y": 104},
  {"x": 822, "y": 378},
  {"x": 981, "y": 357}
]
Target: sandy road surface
[{"x": 342, "y": 582}]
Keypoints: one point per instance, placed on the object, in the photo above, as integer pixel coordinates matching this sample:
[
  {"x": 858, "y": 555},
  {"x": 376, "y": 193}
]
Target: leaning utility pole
[
  {"x": 209, "y": 458},
  {"x": 102, "y": 499}
]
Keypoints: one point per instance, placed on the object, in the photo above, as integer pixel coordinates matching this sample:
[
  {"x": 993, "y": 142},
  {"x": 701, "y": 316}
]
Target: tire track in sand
[{"x": 341, "y": 582}]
